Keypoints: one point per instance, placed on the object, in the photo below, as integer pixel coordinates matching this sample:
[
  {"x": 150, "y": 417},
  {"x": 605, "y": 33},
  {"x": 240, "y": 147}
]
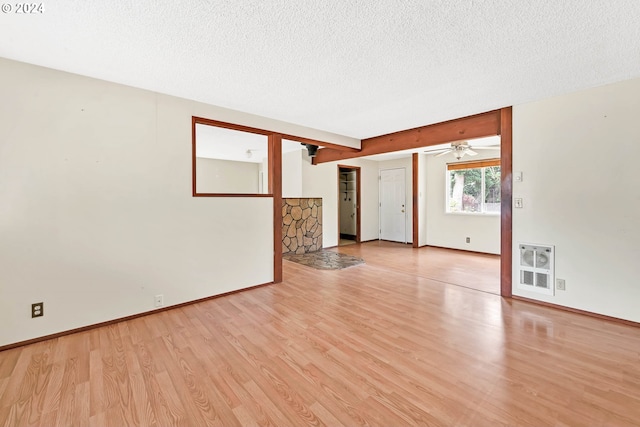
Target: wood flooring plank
[
  {"x": 118, "y": 394},
  {"x": 196, "y": 397},
  {"x": 156, "y": 325},
  {"x": 255, "y": 404},
  {"x": 380, "y": 414},
  {"x": 413, "y": 388},
  {"x": 51, "y": 401},
  {"x": 94, "y": 339},
  {"x": 96, "y": 387},
  {"x": 15, "y": 383},
  {"x": 49, "y": 419},
  {"x": 3, "y": 385},
  {"x": 245, "y": 418},
  {"x": 68, "y": 397},
  {"x": 342, "y": 397},
  {"x": 143, "y": 407},
  {"x": 8, "y": 416},
  {"x": 325, "y": 415},
  {"x": 173, "y": 412},
  {"x": 82, "y": 413},
  {"x": 270, "y": 380},
  {"x": 138, "y": 330},
  {"x": 8, "y": 361},
  {"x": 27, "y": 406},
  {"x": 164, "y": 412},
  {"x": 265, "y": 402},
  {"x": 97, "y": 420}
]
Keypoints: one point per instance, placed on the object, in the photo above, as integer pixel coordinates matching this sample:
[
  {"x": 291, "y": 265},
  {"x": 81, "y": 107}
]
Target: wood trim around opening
[
  {"x": 416, "y": 199},
  {"x": 193, "y": 156},
  {"x": 275, "y": 188},
  {"x": 506, "y": 194},
  {"x": 473, "y": 164},
  {"x": 358, "y": 205}
]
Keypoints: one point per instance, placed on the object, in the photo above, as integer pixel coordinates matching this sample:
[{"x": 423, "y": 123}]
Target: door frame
[{"x": 358, "y": 198}]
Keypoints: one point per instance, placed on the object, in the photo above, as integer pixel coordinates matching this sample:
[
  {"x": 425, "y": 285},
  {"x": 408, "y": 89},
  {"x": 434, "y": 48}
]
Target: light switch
[{"x": 517, "y": 202}]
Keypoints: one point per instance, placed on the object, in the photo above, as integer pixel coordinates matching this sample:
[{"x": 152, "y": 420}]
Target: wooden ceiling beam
[
  {"x": 337, "y": 147},
  {"x": 470, "y": 127}
]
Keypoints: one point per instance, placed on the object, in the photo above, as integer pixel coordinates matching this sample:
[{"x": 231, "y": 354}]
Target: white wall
[
  {"x": 321, "y": 181},
  {"x": 292, "y": 174},
  {"x": 406, "y": 164},
  {"x": 581, "y": 192},
  {"x": 97, "y": 215},
  {"x": 226, "y": 176},
  {"x": 450, "y": 230}
]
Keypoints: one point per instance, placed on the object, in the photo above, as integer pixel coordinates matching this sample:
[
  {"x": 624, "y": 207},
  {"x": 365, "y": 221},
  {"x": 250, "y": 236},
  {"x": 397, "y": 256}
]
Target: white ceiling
[{"x": 358, "y": 68}]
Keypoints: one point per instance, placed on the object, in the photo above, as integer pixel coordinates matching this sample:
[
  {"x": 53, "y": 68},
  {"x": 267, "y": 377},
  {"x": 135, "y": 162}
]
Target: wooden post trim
[
  {"x": 416, "y": 199},
  {"x": 275, "y": 188},
  {"x": 506, "y": 194}
]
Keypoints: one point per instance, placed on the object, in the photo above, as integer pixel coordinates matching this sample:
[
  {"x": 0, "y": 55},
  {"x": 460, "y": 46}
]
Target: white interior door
[{"x": 393, "y": 215}]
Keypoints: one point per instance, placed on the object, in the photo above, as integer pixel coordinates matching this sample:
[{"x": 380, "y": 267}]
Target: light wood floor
[
  {"x": 368, "y": 345},
  {"x": 345, "y": 242},
  {"x": 469, "y": 269}
]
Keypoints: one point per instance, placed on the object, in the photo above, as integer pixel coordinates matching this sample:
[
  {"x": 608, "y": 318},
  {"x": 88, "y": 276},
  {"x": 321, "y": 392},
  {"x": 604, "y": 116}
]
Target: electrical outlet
[
  {"x": 561, "y": 285},
  {"x": 159, "y": 300},
  {"x": 468, "y": 239},
  {"x": 37, "y": 309}
]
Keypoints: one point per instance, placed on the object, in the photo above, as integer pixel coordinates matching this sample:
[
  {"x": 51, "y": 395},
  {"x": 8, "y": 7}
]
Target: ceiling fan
[{"x": 460, "y": 148}]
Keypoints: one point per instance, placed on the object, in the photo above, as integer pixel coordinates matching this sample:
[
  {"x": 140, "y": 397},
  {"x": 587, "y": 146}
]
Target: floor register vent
[{"x": 536, "y": 268}]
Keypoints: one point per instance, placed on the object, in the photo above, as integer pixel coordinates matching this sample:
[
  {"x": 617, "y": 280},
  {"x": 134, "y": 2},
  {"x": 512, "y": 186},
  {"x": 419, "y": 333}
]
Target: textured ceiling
[{"x": 356, "y": 68}]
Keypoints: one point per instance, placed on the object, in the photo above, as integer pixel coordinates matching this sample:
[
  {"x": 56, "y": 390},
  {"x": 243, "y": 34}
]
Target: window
[
  {"x": 229, "y": 159},
  {"x": 474, "y": 187}
]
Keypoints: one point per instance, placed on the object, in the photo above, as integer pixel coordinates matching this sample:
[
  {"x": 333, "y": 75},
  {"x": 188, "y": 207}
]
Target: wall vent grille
[{"x": 536, "y": 268}]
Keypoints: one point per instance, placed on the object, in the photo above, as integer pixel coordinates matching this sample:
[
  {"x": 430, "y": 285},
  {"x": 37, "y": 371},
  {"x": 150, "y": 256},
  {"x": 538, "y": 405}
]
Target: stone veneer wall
[{"x": 301, "y": 225}]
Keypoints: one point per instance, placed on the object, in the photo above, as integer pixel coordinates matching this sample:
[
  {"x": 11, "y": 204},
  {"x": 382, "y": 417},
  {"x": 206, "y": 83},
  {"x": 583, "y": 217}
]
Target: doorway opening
[{"x": 348, "y": 205}]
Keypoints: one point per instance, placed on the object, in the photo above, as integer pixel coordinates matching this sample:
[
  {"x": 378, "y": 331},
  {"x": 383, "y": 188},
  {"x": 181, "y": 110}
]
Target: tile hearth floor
[{"x": 324, "y": 260}]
